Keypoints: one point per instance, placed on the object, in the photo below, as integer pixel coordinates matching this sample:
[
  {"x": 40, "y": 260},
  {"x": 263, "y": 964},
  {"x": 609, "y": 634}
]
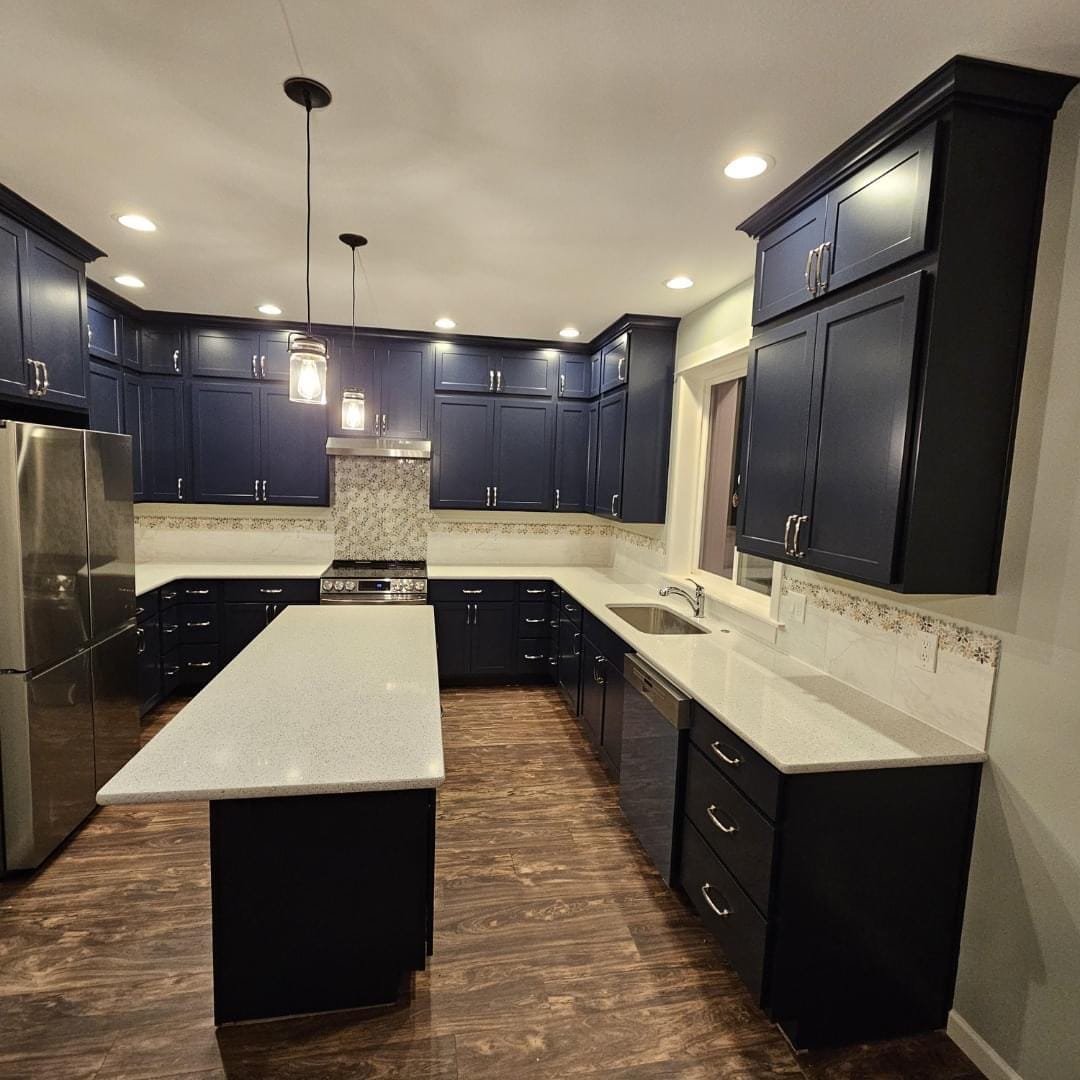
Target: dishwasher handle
[{"x": 669, "y": 702}]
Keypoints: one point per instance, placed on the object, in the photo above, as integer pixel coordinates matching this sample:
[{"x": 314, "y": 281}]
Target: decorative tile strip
[
  {"x": 904, "y": 622},
  {"x": 235, "y": 524}
]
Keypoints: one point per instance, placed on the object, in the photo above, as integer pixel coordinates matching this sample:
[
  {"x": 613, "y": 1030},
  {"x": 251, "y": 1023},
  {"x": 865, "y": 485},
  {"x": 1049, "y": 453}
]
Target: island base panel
[{"x": 320, "y": 902}]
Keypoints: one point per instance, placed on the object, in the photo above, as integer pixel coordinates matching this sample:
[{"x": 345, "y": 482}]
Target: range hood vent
[{"x": 373, "y": 446}]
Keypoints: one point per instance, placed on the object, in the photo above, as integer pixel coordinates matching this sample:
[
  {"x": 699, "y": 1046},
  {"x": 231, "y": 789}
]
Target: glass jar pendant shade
[
  {"x": 353, "y": 416},
  {"x": 307, "y": 369}
]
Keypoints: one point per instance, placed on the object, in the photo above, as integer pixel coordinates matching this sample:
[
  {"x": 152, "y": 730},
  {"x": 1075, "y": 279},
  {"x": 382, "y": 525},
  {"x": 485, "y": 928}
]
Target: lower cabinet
[
  {"x": 602, "y": 691},
  {"x": 475, "y": 639},
  {"x": 148, "y": 661}
]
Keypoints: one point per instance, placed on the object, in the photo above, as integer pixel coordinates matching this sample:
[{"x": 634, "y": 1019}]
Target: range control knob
[
  {"x": 328, "y": 586},
  {"x": 350, "y": 586},
  {"x": 339, "y": 586}
]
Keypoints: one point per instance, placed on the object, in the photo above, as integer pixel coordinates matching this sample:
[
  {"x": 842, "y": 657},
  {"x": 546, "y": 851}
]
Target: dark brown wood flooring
[{"x": 558, "y": 951}]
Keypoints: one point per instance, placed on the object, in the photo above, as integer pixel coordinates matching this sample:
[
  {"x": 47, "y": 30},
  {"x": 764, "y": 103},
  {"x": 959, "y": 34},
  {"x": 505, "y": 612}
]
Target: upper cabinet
[
  {"x": 396, "y": 378},
  {"x": 16, "y": 375},
  {"x": 161, "y": 350},
  {"x": 239, "y": 354},
  {"x": 878, "y": 427},
  {"x": 464, "y": 369},
  {"x": 576, "y": 376},
  {"x": 615, "y": 364},
  {"x": 527, "y": 374},
  {"x": 104, "y": 331},
  {"x": 482, "y": 370}
]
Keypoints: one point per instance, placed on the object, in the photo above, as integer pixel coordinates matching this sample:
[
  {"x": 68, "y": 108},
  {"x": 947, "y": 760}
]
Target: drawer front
[
  {"x": 171, "y": 673},
  {"x": 731, "y": 825},
  {"x": 608, "y": 642},
  {"x": 571, "y": 610},
  {"x": 170, "y": 595},
  {"x": 198, "y": 622},
  {"x": 171, "y": 621},
  {"x": 533, "y": 658},
  {"x": 530, "y": 592},
  {"x": 198, "y": 592},
  {"x": 198, "y": 663},
  {"x": 739, "y": 762},
  {"x": 533, "y": 620},
  {"x": 472, "y": 592},
  {"x": 146, "y": 605},
  {"x": 727, "y": 912},
  {"x": 272, "y": 591}
]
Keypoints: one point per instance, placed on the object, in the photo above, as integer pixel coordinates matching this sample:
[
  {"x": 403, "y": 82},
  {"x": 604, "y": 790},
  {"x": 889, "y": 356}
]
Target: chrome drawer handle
[
  {"x": 529, "y": 656},
  {"x": 169, "y": 629},
  {"x": 722, "y": 826},
  {"x": 535, "y": 592},
  {"x": 271, "y": 592},
  {"x": 197, "y": 592},
  {"x": 168, "y": 596},
  {"x": 198, "y": 625},
  {"x": 171, "y": 671},
  {"x": 531, "y": 621},
  {"x": 139, "y": 611},
  {"x": 723, "y": 912},
  {"x": 472, "y": 592},
  {"x": 200, "y": 663},
  {"x": 718, "y": 751}
]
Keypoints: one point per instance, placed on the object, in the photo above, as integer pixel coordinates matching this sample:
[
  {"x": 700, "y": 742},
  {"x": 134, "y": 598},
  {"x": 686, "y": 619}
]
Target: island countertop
[{"x": 325, "y": 700}]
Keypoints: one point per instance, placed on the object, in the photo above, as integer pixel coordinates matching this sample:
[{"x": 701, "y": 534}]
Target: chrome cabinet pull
[
  {"x": 197, "y": 592},
  {"x": 621, "y": 376},
  {"x": 254, "y": 366},
  {"x": 256, "y": 490},
  {"x": 562, "y": 383},
  {"x": 44, "y": 377},
  {"x": 176, "y": 361},
  {"x": 171, "y": 629},
  {"x": 531, "y": 622},
  {"x": 140, "y": 638},
  {"x": 264, "y": 491},
  {"x": 179, "y": 489},
  {"x": 535, "y": 592},
  {"x": 722, "y": 826},
  {"x": 498, "y": 381},
  {"x": 472, "y": 592},
  {"x": 530, "y": 656},
  {"x": 787, "y": 533},
  {"x": 799, "y": 523},
  {"x": 168, "y": 596},
  {"x": 495, "y": 496},
  {"x": 200, "y": 663},
  {"x": 718, "y": 750},
  {"x": 821, "y": 282},
  {"x": 806, "y": 272},
  {"x": 172, "y": 671},
  {"x": 262, "y": 367},
  {"x": 202, "y": 624},
  {"x": 35, "y": 390},
  {"x": 271, "y": 592},
  {"x": 491, "y": 379},
  {"x": 576, "y": 643},
  {"x": 385, "y": 424},
  {"x": 614, "y": 498},
  {"x": 723, "y": 912},
  {"x": 556, "y": 498},
  {"x": 487, "y": 497}
]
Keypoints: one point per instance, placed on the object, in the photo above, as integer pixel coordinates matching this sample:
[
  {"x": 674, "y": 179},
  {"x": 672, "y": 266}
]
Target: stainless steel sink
[{"x": 654, "y": 619}]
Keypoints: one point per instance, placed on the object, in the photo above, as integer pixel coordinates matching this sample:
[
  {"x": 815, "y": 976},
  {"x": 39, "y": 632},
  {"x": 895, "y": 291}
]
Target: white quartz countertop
[
  {"x": 325, "y": 700},
  {"x": 150, "y": 576},
  {"x": 800, "y": 719}
]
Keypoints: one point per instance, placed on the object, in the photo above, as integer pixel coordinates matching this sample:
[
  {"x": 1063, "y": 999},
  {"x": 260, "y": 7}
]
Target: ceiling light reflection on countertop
[
  {"x": 130, "y": 281},
  {"x": 445, "y": 323},
  {"x": 569, "y": 332},
  {"x": 679, "y": 281},
  {"x": 137, "y": 222},
  {"x": 269, "y": 309},
  {"x": 747, "y": 166}
]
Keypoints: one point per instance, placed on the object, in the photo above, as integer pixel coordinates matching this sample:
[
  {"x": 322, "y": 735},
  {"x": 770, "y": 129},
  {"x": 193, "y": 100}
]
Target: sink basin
[{"x": 654, "y": 619}]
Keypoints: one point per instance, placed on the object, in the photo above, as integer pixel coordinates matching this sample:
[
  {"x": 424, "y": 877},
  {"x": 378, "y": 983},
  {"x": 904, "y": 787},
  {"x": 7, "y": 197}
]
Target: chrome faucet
[{"x": 697, "y": 601}]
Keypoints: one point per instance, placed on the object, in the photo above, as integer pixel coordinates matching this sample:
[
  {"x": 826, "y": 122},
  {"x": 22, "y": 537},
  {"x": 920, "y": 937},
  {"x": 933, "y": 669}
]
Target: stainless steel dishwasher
[{"x": 655, "y": 721}]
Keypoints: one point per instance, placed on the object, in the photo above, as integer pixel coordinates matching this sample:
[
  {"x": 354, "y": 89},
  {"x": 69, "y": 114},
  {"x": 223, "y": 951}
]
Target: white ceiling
[{"x": 517, "y": 164}]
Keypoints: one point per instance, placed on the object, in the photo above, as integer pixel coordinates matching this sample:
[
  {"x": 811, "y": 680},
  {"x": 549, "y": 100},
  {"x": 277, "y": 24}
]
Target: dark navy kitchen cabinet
[
  {"x": 106, "y": 397},
  {"x": 774, "y": 434},
  {"x": 353, "y": 367},
  {"x": 148, "y": 663},
  {"x": 230, "y": 353},
  {"x": 464, "y": 368},
  {"x": 453, "y": 628},
  {"x": 480, "y": 370},
  {"x": 161, "y": 350},
  {"x": 492, "y": 635},
  {"x": 294, "y": 468},
  {"x": 130, "y": 343},
  {"x": 103, "y": 331},
  {"x": 573, "y": 442},
  {"x": 404, "y": 399},
  {"x": 164, "y": 439},
  {"x": 527, "y": 374},
  {"x": 133, "y": 426},
  {"x": 782, "y": 278},
  {"x": 611, "y": 427},
  {"x": 575, "y": 376},
  {"x": 524, "y": 441},
  {"x": 225, "y": 442},
  {"x": 274, "y": 354},
  {"x": 461, "y": 462},
  {"x": 15, "y": 375},
  {"x": 615, "y": 364}
]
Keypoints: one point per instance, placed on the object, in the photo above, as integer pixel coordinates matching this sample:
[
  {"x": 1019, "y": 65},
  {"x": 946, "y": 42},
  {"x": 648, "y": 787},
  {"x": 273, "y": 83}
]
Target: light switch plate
[
  {"x": 797, "y": 606},
  {"x": 926, "y": 657}
]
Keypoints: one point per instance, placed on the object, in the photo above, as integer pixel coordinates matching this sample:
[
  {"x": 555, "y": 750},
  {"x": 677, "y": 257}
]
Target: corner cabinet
[{"x": 877, "y": 435}]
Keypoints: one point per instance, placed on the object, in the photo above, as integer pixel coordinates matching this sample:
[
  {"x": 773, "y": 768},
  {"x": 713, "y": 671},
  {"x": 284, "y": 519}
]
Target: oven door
[{"x": 370, "y": 598}]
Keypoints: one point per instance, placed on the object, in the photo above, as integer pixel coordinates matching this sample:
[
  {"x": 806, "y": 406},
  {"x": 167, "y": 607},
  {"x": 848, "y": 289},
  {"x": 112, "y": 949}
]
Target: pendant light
[
  {"x": 308, "y": 352},
  {"x": 353, "y": 412}
]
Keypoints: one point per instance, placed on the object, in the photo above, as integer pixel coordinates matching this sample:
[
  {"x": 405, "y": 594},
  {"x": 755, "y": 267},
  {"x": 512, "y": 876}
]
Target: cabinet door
[
  {"x": 161, "y": 350},
  {"x": 595, "y": 368},
  {"x": 230, "y": 353},
  {"x": 878, "y": 217},
  {"x": 14, "y": 374},
  {"x": 615, "y": 364},
  {"x": 106, "y": 398},
  {"x": 133, "y": 426},
  {"x": 148, "y": 664},
  {"x": 775, "y": 422},
  {"x": 611, "y": 742},
  {"x": 461, "y": 462},
  {"x": 464, "y": 368},
  {"x": 353, "y": 367},
  {"x": 130, "y": 344},
  {"x": 56, "y": 327},
  {"x": 592, "y": 693},
  {"x": 294, "y": 464},
  {"x": 274, "y": 354},
  {"x": 405, "y": 380},
  {"x": 225, "y": 442},
  {"x": 453, "y": 627},
  {"x": 863, "y": 376},
  {"x": 781, "y": 278},
  {"x": 524, "y": 445},
  {"x": 165, "y": 458},
  {"x": 593, "y": 457},
  {"x": 573, "y": 430},
  {"x": 575, "y": 376},
  {"x": 611, "y": 428},
  {"x": 492, "y": 639},
  {"x": 528, "y": 374},
  {"x": 568, "y": 670},
  {"x": 102, "y": 331},
  {"x": 241, "y": 624}
]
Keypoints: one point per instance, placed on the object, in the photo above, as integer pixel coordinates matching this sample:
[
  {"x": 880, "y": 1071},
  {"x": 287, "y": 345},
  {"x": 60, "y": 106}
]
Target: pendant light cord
[
  {"x": 354, "y": 300},
  {"x": 307, "y": 268}
]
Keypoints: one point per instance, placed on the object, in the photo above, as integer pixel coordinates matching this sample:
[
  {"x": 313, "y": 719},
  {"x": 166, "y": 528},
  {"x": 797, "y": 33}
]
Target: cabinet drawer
[
  {"x": 170, "y": 595},
  {"x": 198, "y": 592},
  {"x": 738, "y": 761},
  {"x": 198, "y": 663},
  {"x": 571, "y": 610},
  {"x": 727, "y": 912},
  {"x": 533, "y": 657},
  {"x": 146, "y": 605},
  {"x": 272, "y": 591},
  {"x": 171, "y": 620},
  {"x": 171, "y": 673},
  {"x": 472, "y": 591},
  {"x": 731, "y": 825},
  {"x": 531, "y": 591},
  {"x": 533, "y": 620},
  {"x": 198, "y": 622}
]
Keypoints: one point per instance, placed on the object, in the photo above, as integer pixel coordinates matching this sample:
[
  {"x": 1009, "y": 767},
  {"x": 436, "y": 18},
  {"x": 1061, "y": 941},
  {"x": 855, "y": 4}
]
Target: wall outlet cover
[{"x": 926, "y": 656}]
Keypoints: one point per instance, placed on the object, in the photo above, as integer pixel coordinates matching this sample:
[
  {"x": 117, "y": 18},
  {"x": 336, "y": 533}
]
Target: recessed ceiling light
[
  {"x": 130, "y": 280},
  {"x": 679, "y": 281},
  {"x": 137, "y": 222},
  {"x": 569, "y": 331},
  {"x": 270, "y": 309},
  {"x": 747, "y": 166},
  {"x": 445, "y": 324}
]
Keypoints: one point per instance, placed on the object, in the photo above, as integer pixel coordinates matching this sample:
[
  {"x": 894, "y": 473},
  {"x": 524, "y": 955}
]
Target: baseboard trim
[{"x": 983, "y": 1056}]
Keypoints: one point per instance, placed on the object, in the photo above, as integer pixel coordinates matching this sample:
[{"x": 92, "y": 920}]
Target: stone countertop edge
[
  {"x": 798, "y": 718},
  {"x": 152, "y": 575}
]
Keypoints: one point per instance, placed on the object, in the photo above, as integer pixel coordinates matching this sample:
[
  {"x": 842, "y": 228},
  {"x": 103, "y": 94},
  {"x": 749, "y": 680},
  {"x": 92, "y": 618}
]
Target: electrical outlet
[
  {"x": 926, "y": 657},
  {"x": 797, "y": 606}
]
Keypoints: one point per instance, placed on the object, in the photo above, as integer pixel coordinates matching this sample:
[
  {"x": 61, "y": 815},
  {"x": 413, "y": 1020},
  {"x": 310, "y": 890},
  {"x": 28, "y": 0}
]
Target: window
[{"x": 717, "y": 552}]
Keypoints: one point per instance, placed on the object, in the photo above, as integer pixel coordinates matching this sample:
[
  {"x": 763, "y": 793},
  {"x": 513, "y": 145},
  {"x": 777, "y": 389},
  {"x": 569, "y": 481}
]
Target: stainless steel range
[{"x": 369, "y": 581}]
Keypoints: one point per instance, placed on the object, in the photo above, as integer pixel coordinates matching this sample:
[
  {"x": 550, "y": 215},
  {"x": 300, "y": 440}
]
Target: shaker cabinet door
[
  {"x": 453, "y": 626},
  {"x": 783, "y": 262},
  {"x": 106, "y": 398},
  {"x": 231, "y": 353},
  {"x": 165, "y": 458},
  {"x": 573, "y": 430},
  {"x": 353, "y": 368},
  {"x": 461, "y": 466},
  {"x": 611, "y": 427},
  {"x": 295, "y": 469},
  {"x": 524, "y": 445},
  {"x": 529, "y": 374},
  {"x": 14, "y": 373},
  {"x": 161, "y": 350},
  {"x": 464, "y": 368},
  {"x": 225, "y": 441},
  {"x": 405, "y": 379},
  {"x": 493, "y": 639},
  {"x": 134, "y": 426}
]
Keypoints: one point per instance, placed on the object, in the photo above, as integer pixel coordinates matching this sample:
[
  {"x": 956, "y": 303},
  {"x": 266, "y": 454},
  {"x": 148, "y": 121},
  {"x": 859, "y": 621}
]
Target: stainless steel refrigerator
[{"x": 68, "y": 707}]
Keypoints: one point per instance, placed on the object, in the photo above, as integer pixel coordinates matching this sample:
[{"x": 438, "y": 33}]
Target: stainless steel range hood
[{"x": 374, "y": 446}]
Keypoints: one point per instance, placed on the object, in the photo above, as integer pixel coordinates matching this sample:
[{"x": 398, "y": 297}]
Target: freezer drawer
[
  {"x": 46, "y": 757},
  {"x": 113, "y": 665}
]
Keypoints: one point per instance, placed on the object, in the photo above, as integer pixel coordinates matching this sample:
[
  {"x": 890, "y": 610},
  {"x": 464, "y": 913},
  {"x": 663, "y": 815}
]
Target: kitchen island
[{"x": 319, "y": 749}]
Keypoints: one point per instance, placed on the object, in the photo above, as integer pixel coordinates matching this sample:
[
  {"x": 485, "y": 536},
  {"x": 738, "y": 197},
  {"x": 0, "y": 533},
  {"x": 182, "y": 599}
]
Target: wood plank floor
[{"x": 558, "y": 951}]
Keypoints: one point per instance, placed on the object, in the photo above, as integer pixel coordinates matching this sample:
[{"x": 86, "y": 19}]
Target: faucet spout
[{"x": 695, "y": 600}]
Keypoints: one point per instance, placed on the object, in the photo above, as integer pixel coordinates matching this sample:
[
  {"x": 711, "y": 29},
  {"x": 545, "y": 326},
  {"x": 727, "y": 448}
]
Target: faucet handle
[{"x": 697, "y": 587}]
